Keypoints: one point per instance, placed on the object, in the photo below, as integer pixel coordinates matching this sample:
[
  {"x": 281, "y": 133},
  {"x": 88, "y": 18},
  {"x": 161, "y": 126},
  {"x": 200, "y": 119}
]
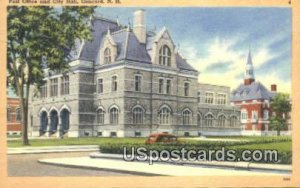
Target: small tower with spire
[{"x": 249, "y": 72}]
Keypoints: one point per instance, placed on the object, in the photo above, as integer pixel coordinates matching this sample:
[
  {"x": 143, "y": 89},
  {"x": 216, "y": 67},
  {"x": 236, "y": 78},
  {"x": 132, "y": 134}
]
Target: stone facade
[{"x": 124, "y": 84}]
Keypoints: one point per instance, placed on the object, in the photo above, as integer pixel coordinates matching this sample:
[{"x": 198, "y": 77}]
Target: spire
[
  {"x": 249, "y": 70},
  {"x": 249, "y": 60}
]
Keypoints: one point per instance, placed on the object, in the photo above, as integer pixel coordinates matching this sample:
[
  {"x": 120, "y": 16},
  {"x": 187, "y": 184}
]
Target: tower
[{"x": 249, "y": 72}]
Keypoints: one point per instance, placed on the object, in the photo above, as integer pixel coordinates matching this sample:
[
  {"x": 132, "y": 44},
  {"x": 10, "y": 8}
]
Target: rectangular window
[
  {"x": 53, "y": 87},
  {"x": 65, "y": 85},
  {"x": 186, "y": 88},
  {"x": 138, "y": 83},
  {"x": 43, "y": 91},
  {"x": 254, "y": 115},
  {"x": 199, "y": 97},
  {"x": 161, "y": 85},
  {"x": 209, "y": 98},
  {"x": 168, "y": 88},
  {"x": 137, "y": 134},
  {"x": 100, "y": 85},
  {"x": 266, "y": 115},
  {"x": 114, "y": 83},
  {"x": 221, "y": 99}
]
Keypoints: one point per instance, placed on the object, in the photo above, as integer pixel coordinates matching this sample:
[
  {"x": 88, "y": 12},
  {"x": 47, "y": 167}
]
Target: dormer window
[
  {"x": 107, "y": 55},
  {"x": 165, "y": 56}
]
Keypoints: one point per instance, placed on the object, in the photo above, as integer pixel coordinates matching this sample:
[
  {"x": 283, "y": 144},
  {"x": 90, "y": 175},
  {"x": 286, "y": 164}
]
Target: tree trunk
[{"x": 24, "y": 104}]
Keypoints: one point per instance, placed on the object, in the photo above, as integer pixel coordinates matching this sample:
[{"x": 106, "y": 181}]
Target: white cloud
[{"x": 221, "y": 51}]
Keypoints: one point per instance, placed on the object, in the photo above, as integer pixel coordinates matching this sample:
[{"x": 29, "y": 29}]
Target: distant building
[
  {"x": 254, "y": 100},
  {"x": 14, "y": 115}
]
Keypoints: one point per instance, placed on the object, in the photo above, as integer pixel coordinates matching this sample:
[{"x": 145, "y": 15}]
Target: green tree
[
  {"x": 39, "y": 37},
  {"x": 281, "y": 107}
]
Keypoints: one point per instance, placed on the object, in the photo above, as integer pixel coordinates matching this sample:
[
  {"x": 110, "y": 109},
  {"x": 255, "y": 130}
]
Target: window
[
  {"x": 221, "y": 99},
  {"x": 199, "y": 97},
  {"x": 199, "y": 120},
  {"x": 186, "y": 88},
  {"x": 107, "y": 55},
  {"x": 209, "y": 120},
  {"x": 113, "y": 134},
  {"x": 54, "y": 87},
  {"x": 164, "y": 116},
  {"x": 100, "y": 116},
  {"x": 137, "y": 134},
  {"x": 18, "y": 115},
  {"x": 165, "y": 56},
  {"x": 266, "y": 114},
  {"x": 161, "y": 85},
  {"x": 65, "y": 85},
  {"x": 209, "y": 98},
  {"x": 8, "y": 115},
  {"x": 138, "y": 115},
  {"x": 168, "y": 88},
  {"x": 138, "y": 83},
  {"x": 254, "y": 115},
  {"x": 244, "y": 115},
  {"x": 114, "y": 83},
  {"x": 221, "y": 121},
  {"x": 233, "y": 121},
  {"x": 100, "y": 85},
  {"x": 186, "y": 117},
  {"x": 43, "y": 91},
  {"x": 114, "y": 115}
]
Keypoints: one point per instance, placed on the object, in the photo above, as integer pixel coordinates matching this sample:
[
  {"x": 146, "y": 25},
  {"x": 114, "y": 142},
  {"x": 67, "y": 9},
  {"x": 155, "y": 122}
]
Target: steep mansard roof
[
  {"x": 254, "y": 91},
  {"x": 128, "y": 46}
]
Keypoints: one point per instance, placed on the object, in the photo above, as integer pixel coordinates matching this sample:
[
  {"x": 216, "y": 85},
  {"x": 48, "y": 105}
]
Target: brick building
[
  {"x": 14, "y": 115},
  {"x": 254, "y": 100}
]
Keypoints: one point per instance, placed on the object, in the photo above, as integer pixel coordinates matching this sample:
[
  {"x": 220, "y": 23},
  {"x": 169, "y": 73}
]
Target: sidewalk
[
  {"x": 52, "y": 149},
  {"x": 165, "y": 169}
]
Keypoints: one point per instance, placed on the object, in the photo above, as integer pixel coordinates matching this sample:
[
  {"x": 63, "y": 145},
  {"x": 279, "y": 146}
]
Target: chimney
[
  {"x": 139, "y": 27},
  {"x": 273, "y": 88}
]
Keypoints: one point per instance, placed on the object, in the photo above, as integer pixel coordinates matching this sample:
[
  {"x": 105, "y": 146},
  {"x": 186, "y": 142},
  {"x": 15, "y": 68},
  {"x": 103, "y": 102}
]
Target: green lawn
[
  {"x": 74, "y": 141},
  {"x": 279, "y": 146}
]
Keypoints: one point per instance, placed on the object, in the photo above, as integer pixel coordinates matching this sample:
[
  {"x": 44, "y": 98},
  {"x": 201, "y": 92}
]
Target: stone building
[
  {"x": 126, "y": 82},
  {"x": 215, "y": 114}
]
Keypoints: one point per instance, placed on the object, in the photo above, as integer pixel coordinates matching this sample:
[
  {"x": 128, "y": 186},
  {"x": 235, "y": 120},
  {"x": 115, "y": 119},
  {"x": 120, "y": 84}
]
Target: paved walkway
[
  {"x": 52, "y": 149},
  {"x": 155, "y": 169}
]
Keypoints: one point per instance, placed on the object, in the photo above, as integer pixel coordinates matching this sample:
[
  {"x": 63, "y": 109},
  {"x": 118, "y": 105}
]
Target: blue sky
[{"x": 216, "y": 40}]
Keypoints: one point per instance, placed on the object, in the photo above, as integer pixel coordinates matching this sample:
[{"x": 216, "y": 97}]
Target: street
[{"x": 27, "y": 165}]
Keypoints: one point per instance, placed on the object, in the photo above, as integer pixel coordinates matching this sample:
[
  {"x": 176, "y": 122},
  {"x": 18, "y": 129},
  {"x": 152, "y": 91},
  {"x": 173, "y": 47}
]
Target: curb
[{"x": 233, "y": 165}]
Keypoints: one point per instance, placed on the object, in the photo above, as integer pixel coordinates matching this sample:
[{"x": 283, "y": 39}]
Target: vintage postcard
[{"x": 119, "y": 93}]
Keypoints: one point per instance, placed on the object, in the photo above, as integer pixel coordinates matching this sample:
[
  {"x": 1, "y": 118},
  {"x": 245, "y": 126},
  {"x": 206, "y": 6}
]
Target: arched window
[
  {"x": 209, "y": 120},
  {"x": 138, "y": 115},
  {"x": 186, "y": 117},
  {"x": 8, "y": 114},
  {"x": 18, "y": 115},
  {"x": 107, "y": 55},
  {"x": 233, "y": 121},
  {"x": 165, "y": 56},
  {"x": 164, "y": 116},
  {"x": 65, "y": 119},
  {"x": 100, "y": 116},
  {"x": 114, "y": 115},
  {"x": 221, "y": 121}
]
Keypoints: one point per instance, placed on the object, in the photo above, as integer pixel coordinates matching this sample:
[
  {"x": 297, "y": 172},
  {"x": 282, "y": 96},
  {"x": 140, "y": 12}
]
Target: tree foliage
[
  {"x": 39, "y": 37},
  {"x": 280, "y": 106}
]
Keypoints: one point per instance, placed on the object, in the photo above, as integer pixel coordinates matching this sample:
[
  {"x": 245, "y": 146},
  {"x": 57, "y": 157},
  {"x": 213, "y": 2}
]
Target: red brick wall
[{"x": 13, "y": 104}]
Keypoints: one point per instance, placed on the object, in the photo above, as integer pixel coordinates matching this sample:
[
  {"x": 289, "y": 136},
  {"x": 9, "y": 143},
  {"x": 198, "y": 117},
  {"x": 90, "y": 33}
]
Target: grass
[
  {"x": 74, "y": 141},
  {"x": 279, "y": 146}
]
